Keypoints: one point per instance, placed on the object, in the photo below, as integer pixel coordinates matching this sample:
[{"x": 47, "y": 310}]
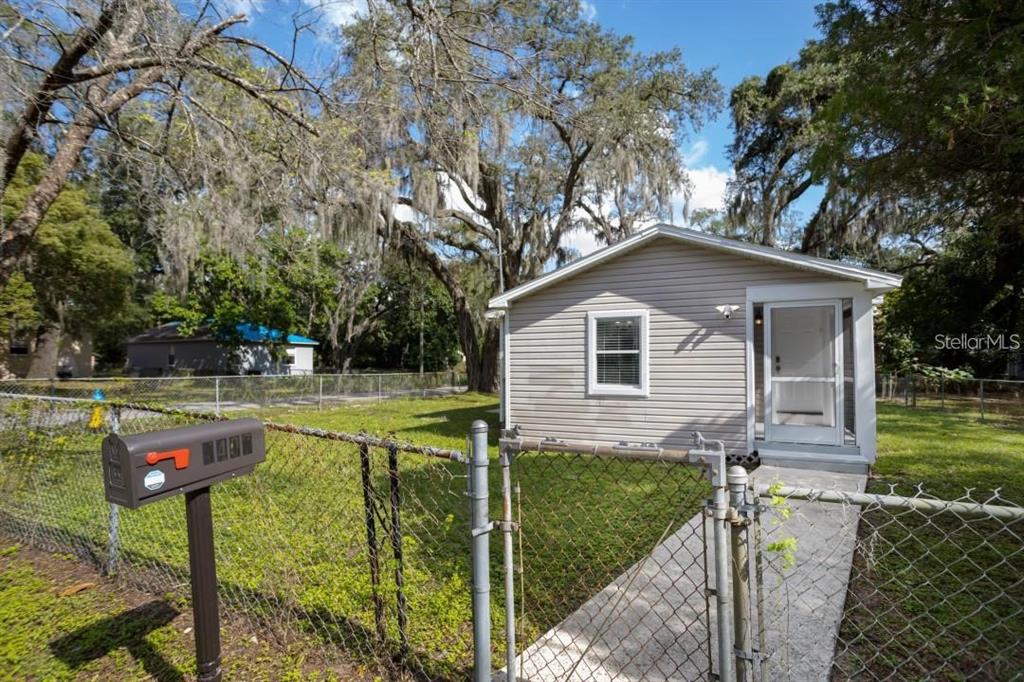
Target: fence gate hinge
[
  {"x": 483, "y": 530},
  {"x": 743, "y": 515}
]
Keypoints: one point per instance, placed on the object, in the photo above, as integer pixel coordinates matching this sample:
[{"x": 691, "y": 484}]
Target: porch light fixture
[{"x": 727, "y": 309}]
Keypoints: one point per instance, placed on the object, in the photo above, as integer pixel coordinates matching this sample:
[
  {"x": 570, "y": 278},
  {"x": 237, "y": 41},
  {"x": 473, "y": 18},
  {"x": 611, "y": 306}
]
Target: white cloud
[
  {"x": 708, "y": 187},
  {"x": 339, "y": 12},
  {"x": 707, "y": 190},
  {"x": 697, "y": 151},
  {"x": 582, "y": 241},
  {"x": 588, "y": 10}
]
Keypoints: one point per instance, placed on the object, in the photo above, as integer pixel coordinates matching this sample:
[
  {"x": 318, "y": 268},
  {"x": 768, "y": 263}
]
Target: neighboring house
[
  {"x": 73, "y": 358},
  {"x": 674, "y": 331},
  {"x": 164, "y": 351}
]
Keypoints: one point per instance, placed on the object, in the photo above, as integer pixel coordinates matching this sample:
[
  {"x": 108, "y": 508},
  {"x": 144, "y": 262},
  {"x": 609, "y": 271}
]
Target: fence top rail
[
  {"x": 624, "y": 451},
  {"x": 231, "y": 377},
  {"x": 952, "y": 380},
  {"x": 963, "y": 507},
  {"x": 326, "y": 434}
]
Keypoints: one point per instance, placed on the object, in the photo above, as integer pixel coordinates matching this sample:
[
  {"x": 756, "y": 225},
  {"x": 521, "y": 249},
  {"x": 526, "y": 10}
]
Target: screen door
[{"x": 803, "y": 365}]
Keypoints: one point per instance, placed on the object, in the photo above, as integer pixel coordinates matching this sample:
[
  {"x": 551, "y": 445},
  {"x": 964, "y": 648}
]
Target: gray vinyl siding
[{"x": 697, "y": 358}]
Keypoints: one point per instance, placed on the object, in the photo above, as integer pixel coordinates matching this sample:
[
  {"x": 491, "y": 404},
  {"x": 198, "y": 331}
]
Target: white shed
[
  {"x": 674, "y": 331},
  {"x": 165, "y": 351}
]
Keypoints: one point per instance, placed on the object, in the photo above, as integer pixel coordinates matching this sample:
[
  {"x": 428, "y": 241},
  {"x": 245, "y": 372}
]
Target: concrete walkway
[
  {"x": 649, "y": 624},
  {"x": 803, "y": 605}
]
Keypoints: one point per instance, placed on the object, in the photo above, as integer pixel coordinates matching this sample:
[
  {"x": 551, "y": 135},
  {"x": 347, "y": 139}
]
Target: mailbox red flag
[{"x": 180, "y": 457}]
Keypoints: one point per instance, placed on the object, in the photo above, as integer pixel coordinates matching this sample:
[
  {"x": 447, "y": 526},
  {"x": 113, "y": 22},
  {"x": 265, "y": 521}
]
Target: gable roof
[
  {"x": 875, "y": 280},
  {"x": 249, "y": 333}
]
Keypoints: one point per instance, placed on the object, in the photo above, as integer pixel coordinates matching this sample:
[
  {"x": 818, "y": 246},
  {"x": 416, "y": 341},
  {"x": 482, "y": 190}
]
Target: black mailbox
[{"x": 151, "y": 466}]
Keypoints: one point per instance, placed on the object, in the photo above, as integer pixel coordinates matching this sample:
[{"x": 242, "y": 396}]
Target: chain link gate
[
  {"x": 607, "y": 574},
  {"x": 832, "y": 584},
  {"x": 605, "y": 562}
]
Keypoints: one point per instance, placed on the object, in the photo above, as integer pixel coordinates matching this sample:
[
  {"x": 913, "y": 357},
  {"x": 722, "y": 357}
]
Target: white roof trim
[{"x": 874, "y": 280}]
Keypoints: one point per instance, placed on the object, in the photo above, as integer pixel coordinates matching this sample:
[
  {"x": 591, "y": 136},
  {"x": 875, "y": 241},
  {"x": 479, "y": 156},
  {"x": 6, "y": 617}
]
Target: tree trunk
[
  {"x": 482, "y": 375},
  {"x": 47, "y": 353},
  {"x": 481, "y": 354}
]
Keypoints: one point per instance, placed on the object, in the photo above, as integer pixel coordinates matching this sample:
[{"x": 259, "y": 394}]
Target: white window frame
[{"x": 596, "y": 389}]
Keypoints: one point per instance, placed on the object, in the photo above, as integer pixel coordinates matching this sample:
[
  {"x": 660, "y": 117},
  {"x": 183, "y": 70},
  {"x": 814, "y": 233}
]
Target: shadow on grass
[
  {"x": 265, "y": 610},
  {"x": 126, "y": 630},
  {"x": 454, "y": 422}
]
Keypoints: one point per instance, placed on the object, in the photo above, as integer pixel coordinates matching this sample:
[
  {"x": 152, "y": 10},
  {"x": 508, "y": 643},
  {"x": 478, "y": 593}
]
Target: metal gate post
[
  {"x": 510, "y": 590},
  {"x": 713, "y": 462},
  {"x": 480, "y": 552},
  {"x": 740, "y": 538}
]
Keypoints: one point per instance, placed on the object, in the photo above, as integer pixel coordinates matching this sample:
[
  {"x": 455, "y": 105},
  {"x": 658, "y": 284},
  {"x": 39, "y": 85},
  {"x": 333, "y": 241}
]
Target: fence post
[
  {"x": 114, "y": 524},
  {"x": 320, "y": 395},
  {"x": 380, "y": 387},
  {"x": 942, "y": 392},
  {"x": 740, "y": 541},
  {"x": 510, "y": 590},
  {"x": 913, "y": 390},
  {"x": 981, "y": 393},
  {"x": 396, "y": 547},
  {"x": 480, "y": 552},
  {"x": 718, "y": 509},
  {"x": 371, "y": 541},
  {"x": 216, "y": 393}
]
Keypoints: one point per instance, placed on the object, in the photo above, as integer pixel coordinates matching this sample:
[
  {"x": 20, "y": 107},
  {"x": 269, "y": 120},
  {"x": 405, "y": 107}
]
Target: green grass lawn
[
  {"x": 441, "y": 422},
  {"x": 938, "y": 596},
  {"x": 948, "y": 451}
]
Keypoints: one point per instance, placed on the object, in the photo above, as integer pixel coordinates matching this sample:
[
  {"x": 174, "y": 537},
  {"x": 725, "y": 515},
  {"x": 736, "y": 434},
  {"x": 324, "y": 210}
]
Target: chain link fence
[
  {"x": 358, "y": 544},
  {"x": 219, "y": 394},
  {"x": 854, "y": 586},
  {"x": 999, "y": 400},
  {"x": 612, "y": 581},
  {"x": 613, "y": 563}
]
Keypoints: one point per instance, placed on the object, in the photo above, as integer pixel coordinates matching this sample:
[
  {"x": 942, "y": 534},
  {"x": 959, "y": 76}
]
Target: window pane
[
  {"x": 618, "y": 333},
  {"x": 618, "y": 368}
]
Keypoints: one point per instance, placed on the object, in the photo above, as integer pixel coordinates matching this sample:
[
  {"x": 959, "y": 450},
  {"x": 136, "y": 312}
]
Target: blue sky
[{"x": 737, "y": 39}]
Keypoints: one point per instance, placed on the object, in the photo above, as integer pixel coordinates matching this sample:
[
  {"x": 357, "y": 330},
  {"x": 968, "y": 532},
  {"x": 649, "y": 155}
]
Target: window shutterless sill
[{"x": 616, "y": 393}]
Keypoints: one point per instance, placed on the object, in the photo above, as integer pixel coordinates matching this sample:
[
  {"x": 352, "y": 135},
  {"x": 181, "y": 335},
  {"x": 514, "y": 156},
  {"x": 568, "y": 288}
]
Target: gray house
[
  {"x": 674, "y": 331},
  {"x": 164, "y": 350}
]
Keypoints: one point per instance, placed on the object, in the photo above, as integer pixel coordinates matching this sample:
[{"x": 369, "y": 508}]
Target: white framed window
[{"x": 617, "y": 353}]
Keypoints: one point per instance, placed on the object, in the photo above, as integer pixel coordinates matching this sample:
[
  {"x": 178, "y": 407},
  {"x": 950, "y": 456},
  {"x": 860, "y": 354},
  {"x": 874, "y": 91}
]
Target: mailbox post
[{"x": 150, "y": 467}]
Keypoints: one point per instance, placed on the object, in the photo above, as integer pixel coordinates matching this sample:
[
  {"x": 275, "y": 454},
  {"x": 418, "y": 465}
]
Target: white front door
[{"x": 803, "y": 371}]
